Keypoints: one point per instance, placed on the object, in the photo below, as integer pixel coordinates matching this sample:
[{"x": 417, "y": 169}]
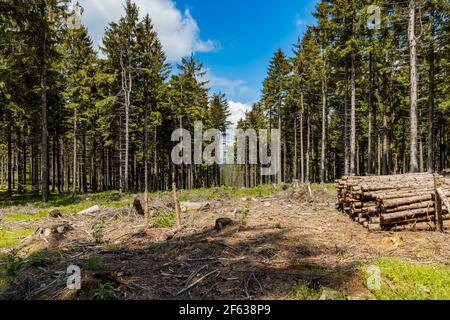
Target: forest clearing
[
  {"x": 186, "y": 150},
  {"x": 283, "y": 244}
]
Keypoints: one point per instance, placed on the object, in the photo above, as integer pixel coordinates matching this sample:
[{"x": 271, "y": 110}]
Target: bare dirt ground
[{"x": 275, "y": 244}]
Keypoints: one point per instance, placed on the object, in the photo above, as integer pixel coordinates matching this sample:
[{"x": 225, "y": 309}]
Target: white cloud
[
  {"x": 228, "y": 86},
  {"x": 238, "y": 110},
  {"x": 299, "y": 23},
  {"x": 178, "y": 30}
]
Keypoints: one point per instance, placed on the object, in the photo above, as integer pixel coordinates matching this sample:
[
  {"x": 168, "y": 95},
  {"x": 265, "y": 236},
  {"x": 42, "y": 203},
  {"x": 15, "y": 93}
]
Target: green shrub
[
  {"x": 98, "y": 230},
  {"x": 244, "y": 219},
  {"x": 93, "y": 263},
  {"x": 163, "y": 219},
  {"x": 105, "y": 291},
  {"x": 12, "y": 263},
  {"x": 304, "y": 292},
  {"x": 38, "y": 259}
]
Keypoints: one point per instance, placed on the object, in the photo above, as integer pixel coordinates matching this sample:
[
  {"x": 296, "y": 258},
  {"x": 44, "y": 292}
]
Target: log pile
[{"x": 395, "y": 202}]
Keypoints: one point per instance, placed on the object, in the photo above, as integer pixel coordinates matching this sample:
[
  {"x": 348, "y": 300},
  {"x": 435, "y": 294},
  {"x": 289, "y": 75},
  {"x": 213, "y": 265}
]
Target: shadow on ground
[{"x": 237, "y": 263}]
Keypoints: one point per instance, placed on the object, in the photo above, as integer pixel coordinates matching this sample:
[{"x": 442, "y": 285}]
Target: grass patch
[
  {"x": 9, "y": 238},
  {"x": 67, "y": 204},
  {"x": 304, "y": 291},
  {"x": 327, "y": 187},
  {"x": 26, "y": 217},
  {"x": 163, "y": 219},
  {"x": 403, "y": 280},
  {"x": 228, "y": 193}
]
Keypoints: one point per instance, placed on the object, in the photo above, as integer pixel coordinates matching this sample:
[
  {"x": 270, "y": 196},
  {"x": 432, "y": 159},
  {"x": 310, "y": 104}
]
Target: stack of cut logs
[{"x": 396, "y": 202}]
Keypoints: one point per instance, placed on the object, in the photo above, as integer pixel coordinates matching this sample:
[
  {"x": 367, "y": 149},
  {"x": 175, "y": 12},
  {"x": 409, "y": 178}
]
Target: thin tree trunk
[
  {"x": 295, "y": 160},
  {"x": 324, "y": 130},
  {"x": 10, "y": 169},
  {"x": 74, "y": 190},
  {"x": 44, "y": 141},
  {"x": 353, "y": 116},
  {"x": 413, "y": 87},
  {"x": 302, "y": 155},
  {"x": 370, "y": 151},
  {"x": 308, "y": 147},
  {"x": 430, "y": 150},
  {"x": 146, "y": 168},
  {"x": 346, "y": 135}
]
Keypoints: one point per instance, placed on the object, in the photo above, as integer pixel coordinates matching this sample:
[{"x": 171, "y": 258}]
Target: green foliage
[
  {"x": 303, "y": 291},
  {"x": 403, "y": 280},
  {"x": 98, "y": 230},
  {"x": 12, "y": 263},
  {"x": 245, "y": 214},
  {"x": 163, "y": 219},
  {"x": 104, "y": 291},
  {"x": 93, "y": 263},
  {"x": 38, "y": 259}
]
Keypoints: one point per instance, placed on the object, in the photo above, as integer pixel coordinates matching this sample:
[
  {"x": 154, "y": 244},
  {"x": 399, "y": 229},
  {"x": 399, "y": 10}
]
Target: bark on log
[
  {"x": 418, "y": 205},
  {"x": 405, "y": 201},
  {"x": 374, "y": 227},
  {"x": 387, "y": 218}
]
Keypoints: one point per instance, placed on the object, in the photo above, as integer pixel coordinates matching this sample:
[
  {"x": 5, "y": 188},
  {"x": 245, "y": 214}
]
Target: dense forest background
[{"x": 349, "y": 100}]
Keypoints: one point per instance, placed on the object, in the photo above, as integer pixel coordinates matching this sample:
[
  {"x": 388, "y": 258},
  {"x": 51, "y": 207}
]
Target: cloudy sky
[{"x": 235, "y": 39}]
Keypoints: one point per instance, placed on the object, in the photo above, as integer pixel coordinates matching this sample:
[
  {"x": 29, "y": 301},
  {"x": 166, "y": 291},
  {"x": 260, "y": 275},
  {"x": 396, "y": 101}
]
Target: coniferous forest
[{"x": 348, "y": 99}]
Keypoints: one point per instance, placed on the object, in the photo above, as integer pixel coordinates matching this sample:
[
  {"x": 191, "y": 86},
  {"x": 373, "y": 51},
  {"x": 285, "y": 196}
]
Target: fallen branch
[
  {"x": 198, "y": 281},
  {"x": 90, "y": 210}
]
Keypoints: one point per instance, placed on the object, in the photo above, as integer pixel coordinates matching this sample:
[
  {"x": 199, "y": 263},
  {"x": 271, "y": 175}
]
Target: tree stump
[{"x": 137, "y": 204}]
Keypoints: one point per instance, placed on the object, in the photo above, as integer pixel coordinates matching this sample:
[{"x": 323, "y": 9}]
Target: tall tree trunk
[
  {"x": 302, "y": 155},
  {"x": 385, "y": 144},
  {"x": 308, "y": 147},
  {"x": 44, "y": 137},
  {"x": 58, "y": 163},
  {"x": 353, "y": 116},
  {"x": 10, "y": 169},
  {"x": 431, "y": 55},
  {"x": 295, "y": 160},
  {"x": 127, "y": 128},
  {"x": 370, "y": 146},
  {"x": 324, "y": 128},
  {"x": 346, "y": 135},
  {"x": 54, "y": 163},
  {"x": 279, "y": 180},
  {"x": 75, "y": 124},
  {"x": 84, "y": 163},
  {"x": 413, "y": 167},
  {"x": 146, "y": 167}
]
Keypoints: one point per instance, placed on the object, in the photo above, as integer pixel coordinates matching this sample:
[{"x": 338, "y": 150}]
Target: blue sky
[{"x": 234, "y": 39}]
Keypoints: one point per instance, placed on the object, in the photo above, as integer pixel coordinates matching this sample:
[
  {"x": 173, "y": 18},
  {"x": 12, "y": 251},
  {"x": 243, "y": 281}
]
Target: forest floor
[{"x": 283, "y": 245}]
